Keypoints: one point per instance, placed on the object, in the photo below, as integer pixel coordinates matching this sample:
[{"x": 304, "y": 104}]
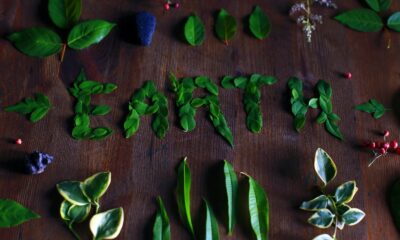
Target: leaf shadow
[
  {"x": 127, "y": 28},
  {"x": 395, "y": 105},
  {"x": 246, "y": 28},
  {"x": 178, "y": 31},
  {"x": 13, "y": 161}
]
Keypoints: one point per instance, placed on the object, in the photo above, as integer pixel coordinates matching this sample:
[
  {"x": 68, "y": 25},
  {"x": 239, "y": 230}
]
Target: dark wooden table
[{"x": 144, "y": 167}]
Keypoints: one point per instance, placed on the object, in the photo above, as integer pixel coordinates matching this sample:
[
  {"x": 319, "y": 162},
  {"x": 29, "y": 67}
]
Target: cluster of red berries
[
  {"x": 169, "y": 4},
  {"x": 385, "y": 146}
]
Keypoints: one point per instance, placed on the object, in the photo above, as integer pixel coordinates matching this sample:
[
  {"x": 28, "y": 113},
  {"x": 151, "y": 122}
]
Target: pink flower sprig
[{"x": 302, "y": 12}]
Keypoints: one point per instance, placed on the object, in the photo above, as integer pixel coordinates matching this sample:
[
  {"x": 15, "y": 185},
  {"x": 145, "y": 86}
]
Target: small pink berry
[
  {"x": 386, "y": 146},
  {"x": 394, "y": 144},
  {"x": 372, "y": 145},
  {"x": 382, "y": 151},
  {"x": 386, "y": 133},
  {"x": 177, "y": 5},
  {"x": 18, "y": 141},
  {"x": 166, "y": 6},
  {"x": 348, "y": 75}
]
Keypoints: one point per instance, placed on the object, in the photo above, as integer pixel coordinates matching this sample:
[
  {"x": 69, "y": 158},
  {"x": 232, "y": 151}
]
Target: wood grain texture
[{"x": 144, "y": 167}]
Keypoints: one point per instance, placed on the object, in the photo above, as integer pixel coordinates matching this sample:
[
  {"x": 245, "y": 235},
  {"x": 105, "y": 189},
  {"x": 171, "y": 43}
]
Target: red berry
[
  {"x": 166, "y": 6},
  {"x": 386, "y": 146},
  {"x": 177, "y": 5},
  {"x": 386, "y": 133},
  {"x": 372, "y": 145},
  {"x": 18, "y": 141},
  {"x": 348, "y": 75},
  {"x": 382, "y": 151},
  {"x": 394, "y": 144}
]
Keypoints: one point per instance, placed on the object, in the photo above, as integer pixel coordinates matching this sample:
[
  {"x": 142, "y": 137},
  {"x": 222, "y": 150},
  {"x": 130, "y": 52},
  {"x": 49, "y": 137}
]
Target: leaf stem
[
  {"x": 97, "y": 206},
  {"x": 388, "y": 37},
  {"x": 62, "y": 54},
  {"x": 76, "y": 235}
]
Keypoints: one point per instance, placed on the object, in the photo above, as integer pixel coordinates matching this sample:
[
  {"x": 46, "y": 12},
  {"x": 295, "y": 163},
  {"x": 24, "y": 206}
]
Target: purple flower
[
  {"x": 326, "y": 3},
  {"x": 36, "y": 162},
  {"x": 146, "y": 25}
]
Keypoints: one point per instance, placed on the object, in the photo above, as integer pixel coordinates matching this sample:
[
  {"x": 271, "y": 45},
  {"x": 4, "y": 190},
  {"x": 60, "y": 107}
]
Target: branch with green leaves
[
  {"x": 82, "y": 90},
  {"x": 36, "y": 108},
  {"x": 373, "y": 107},
  {"x": 252, "y": 96},
  {"x": 79, "y": 197},
  {"x": 43, "y": 42},
  {"x": 332, "y": 209}
]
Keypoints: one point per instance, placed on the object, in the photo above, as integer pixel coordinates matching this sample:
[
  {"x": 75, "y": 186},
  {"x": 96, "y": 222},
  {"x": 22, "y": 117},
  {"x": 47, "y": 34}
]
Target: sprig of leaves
[
  {"x": 252, "y": 96},
  {"x": 373, "y": 107},
  {"x": 13, "y": 213},
  {"x": 79, "y": 197},
  {"x": 259, "y": 23},
  {"x": 188, "y": 105},
  {"x": 225, "y": 26},
  {"x": 324, "y": 102},
  {"x": 332, "y": 209},
  {"x": 43, "y": 42},
  {"x": 194, "y": 30},
  {"x": 36, "y": 107},
  {"x": 82, "y": 90},
  {"x": 138, "y": 108}
]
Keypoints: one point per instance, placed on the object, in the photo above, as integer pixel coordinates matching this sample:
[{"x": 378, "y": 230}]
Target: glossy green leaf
[
  {"x": 394, "y": 203},
  {"x": 72, "y": 192},
  {"x": 161, "y": 228},
  {"x": 36, "y": 108},
  {"x": 100, "y": 133},
  {"x": 183, "y": 195},
  {"x": 101, "y": 110},
  {"x": 373, "y": 107},
  {"x": 353, "y": 216},
  {"x": 87, "y": 33},
  {"x": 95, "y": 186},
  {"x": 65, "y": 13},
  {"x": 323, "y": 237},
  {"x": 74, "y": 213},
  {"x": 345, "y": 192},
  {"x": 36, "y": 42},
  {"x": 211, "y": 225},
  {"x": 333, "y": 129},
  {"x": 194, "y": 31},
  {"x": 379, "y": 5},
  {"x": 258, "y": 209},
  {"x": 363, "y": 20},
  {"x": 38, "y": 114},
  {"x": 13, "y": 213},
  {"x": 225, "y": 26},
  {"x": 318, "y": 203},
  {"x": 324, "y": 166},
  {"x": 394, "y": 22},
  {"x": 231, "y": 188},
  {"x": 259, "y": 23},
  {"x": 107, "y": 225},
  {"x": 322, "y": 219}
]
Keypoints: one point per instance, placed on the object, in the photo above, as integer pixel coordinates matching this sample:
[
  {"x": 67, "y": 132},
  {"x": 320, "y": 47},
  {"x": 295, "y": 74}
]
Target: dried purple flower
[{"x": 326, "y": 3}]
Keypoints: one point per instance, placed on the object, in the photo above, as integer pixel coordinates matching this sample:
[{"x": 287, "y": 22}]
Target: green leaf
[
  {"x": 394, "y": 22},
  {"x": 394, "y": 203},
  {"x": 107, "y": 225},
  {"x": 37, "y": 107},
  {"x": 374, "y": 4},
  {"x": 65, "y": 13},
  {"x": 353, "y": 216},
  {"x": 225, "y": 26},
  {"x": 72, "y": 192},
  {"x": 313, "y": 103},
  {"x": 101, "y": 110},
  {"x": 363, "y": 20},
  {"x": 324, "y": 166},
  {"x": 100, "y": 133},
  {"x": 36, "y": 42},
  {"x": 194, "y": 31},
  {"x": 333, "y": 129},
  {"x": 131, "y": 124},
  {"x": 373, "y": 107},
  {"x": 318, "y": 203},
  {"x": 38, "y": 114},
  {"x": 323, "y": 237},
  {"x": 95, "y": 186},
  {"x": 322, "y": 219},
  {"x": 259, "y": 23},
  {"x": 211, "y": 225},
  {"x": 345, "y": 192},
  {"x": 379, "y": 5},
  {"x": 161, "y": 228},
  {"x": 259, "y": 210},
  {"x": 231, "y": 188},
  {"x": 74, "y": 213},
  {"x": 87, "y": 33},
  {"x": 183, "y": 195},
  {"x": 13, "y": 213},
  {"x": 228, "y": 82}
]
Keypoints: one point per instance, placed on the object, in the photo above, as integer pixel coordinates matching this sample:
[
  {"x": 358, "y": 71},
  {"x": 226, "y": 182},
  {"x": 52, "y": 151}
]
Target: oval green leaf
[
  {"x": 318, "y": 203},
  {"x": 95, "y": 186},
  {"x": 345, "y": 192},
  {"x": 324, "y": 166},
  {"x": 38, "y": 114},
  {"x": 194, "y": 31},
  {"x": 322, "y": 219},
  {"x": 87, "y": 33},
  {"x": 101, "y": 110},
  {"x": 394, "y": 202},
  {"x": 211, "y": 225},
  {"x": 363, "y": 20},
  {"x": 65, "y": 13},
  {"x": 78, "y": 213},
  {"x": 161, "y": 228},
  {"x": 107, "y": 225},
  {"x": 258, "y": 209},
  {"x": 71, "y": 191},
  {"x": 13, "y": 213},
  {"x": 225, "y": 26},
  {"x": 183, "y": 195},
  {"x": 394, "y": 22},
  {"x": 259, "y": 23},
  {"x": 379, "y": 5},
  {"x": 231, "y": 188},
  {"x": 36, "y": 42},
  {"x": 353, "y": 216}
]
